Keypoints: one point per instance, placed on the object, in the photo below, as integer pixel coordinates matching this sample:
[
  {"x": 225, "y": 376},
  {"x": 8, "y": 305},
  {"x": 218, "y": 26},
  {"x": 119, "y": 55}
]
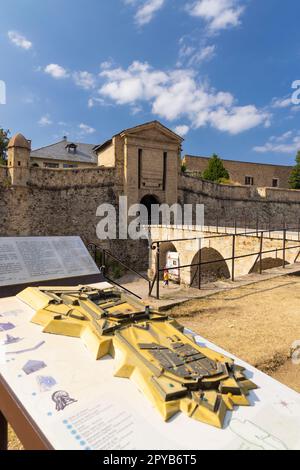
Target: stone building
[
  {"x": 143, "y": 163},
  {"x": 245, "y": 173},
  {"x": 64, "y": 154},
  {"x": 147, "y": 160},
  {"x": 150, "y": 154}
]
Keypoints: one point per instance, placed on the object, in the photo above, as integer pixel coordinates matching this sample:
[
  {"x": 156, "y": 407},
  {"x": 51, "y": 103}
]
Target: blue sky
[{"x": 219, "y": 72}]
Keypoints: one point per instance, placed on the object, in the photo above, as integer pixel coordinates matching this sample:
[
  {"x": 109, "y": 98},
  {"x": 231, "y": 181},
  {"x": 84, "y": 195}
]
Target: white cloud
[
  {"x": 192, "y": 53},
  {"x": 146, "y": 9},
  {"x": 288, "y": 143},
  {"x": 45, "y": 121},
  {"x": 177, "y": 94},
  {"x": 218, "y": 14},
  {"x": 95, "y": 101},
  {"x": 182, "y": 130},
  {"x": 106, "y": 64},
  {"x": 239, "y": 119},
  {"x": 136, "y": 110},
  {"x": 85, "y": 129},
  {"x": 282, "y": 102},
  {"x": 56, "y": 71},
  {"x": 19, "y": 40},
  {"x": 85, "y": 80}
]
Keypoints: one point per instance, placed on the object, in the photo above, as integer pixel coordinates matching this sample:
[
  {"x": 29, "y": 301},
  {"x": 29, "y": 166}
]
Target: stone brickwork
[
  {"x": 217, "y": 249},
  {"x": 147, "y": 162},
  {"x": 241, "y": 203},
  {"x": 144, "y": 161},
  {"x": 262, "y": 174}
]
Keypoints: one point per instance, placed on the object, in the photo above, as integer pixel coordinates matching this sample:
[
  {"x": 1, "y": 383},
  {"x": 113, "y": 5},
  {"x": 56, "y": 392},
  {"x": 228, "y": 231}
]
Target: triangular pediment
[{"x": 153, "y": 130}]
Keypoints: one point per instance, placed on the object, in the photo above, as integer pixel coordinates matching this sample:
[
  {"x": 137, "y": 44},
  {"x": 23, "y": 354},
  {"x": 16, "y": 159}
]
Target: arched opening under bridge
[{"x": 216, "y": 270}]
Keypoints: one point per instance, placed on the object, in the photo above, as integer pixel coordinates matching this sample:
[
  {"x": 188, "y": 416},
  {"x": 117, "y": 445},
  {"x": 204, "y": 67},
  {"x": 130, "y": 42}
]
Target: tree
[
  {"x": 294, "y": 180},
  {"x": 215, "y": 170},
  {"x": 4, "y": 139}
]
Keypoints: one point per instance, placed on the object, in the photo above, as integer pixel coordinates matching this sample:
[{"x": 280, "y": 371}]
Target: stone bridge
[{"x": 195, "y": 244}]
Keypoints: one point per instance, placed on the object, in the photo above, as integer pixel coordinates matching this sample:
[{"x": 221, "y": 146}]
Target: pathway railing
[
  {"x": 102, "y": 258},
  {"x": 262, "y": 234}
]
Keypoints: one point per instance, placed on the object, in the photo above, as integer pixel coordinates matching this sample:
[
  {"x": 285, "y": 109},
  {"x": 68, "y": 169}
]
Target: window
[
  {"x": 249, "y": 181},
  {"x": 275, "y": 183},
  {"x": 66, "y": 165},
  {"x": 165, "y": 170},
  {"x": 51, "y": 165},
  {"x": 140, "y": 164},
  {"x": 71, "y": 148}
]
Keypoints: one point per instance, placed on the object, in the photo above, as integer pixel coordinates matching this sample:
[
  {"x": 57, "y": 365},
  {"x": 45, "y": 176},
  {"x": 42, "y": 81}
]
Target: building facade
[
  {"x": 64, "y": 154},
  {"x": 147, "y": 158},
  {"x": 245, "y": 173},
  {"x": 142, "y": 163}
]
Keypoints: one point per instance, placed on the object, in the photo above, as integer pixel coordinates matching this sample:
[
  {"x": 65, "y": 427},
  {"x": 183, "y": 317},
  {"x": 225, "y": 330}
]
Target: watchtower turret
[{"x": 19, "y": 150}]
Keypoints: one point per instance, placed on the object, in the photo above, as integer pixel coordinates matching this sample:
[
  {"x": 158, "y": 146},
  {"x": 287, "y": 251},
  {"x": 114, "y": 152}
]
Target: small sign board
[
  {"x": 26, "y": 260},
  {"x": 173, "y": 264}
]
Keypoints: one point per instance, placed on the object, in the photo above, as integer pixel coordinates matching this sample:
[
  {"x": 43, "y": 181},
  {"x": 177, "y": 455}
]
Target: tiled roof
[{"x": 59, "y": 151}]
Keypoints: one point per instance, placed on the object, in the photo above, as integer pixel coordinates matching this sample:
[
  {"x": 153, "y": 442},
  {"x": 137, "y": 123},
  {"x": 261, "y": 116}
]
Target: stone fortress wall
[
  {"x": 262, "y": 174},
  {"x": 240, "y": 203},
  {"x": 39, "y": 202}
]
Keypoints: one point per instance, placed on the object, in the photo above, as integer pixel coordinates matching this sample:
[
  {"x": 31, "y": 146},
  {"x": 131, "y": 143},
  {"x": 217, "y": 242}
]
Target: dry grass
[{"x": 13, "y": 441}]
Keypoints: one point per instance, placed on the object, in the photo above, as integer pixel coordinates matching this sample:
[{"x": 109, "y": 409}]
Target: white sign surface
[
  {"x": 32, "y": 259},
  {"x": 79, "y": 404}
]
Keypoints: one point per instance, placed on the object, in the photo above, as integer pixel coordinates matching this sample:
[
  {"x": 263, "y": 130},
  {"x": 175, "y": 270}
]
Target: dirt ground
[{"x": 258, "y": 323}]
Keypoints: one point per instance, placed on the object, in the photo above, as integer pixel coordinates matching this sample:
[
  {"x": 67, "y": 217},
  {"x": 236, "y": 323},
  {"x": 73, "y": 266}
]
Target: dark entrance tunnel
[
  {"x": 216, "y": 270},
  {"x": 149, "y": 201}
]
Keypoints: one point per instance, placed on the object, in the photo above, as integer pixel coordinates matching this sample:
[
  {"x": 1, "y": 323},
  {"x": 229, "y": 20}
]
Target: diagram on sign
[
  {"x": 33, "y": 366},
  {"x": 11, "y": 340},
  {"x": 257, "y": 437},
  {"x": 6, "y": 327},
  {"x": 62, "y": 400},
  {"x": 45, "y": 383},
  {"x": 23, "y": 351}
]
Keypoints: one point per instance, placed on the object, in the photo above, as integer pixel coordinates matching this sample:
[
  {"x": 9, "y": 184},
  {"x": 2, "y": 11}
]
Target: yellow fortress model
[{"x": 167, "y": 365}]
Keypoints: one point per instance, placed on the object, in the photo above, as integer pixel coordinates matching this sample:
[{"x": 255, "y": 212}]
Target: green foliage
[
  {"x": 294, "y": 180},
  {"x": 4, "y": 139},
  {"x": 215, "y": 171},
  {"x": 183, "y": 168}
]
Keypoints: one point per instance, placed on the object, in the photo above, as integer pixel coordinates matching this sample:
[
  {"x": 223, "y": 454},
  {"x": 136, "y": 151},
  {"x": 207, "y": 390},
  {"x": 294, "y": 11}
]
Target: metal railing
[
  {"x": 102, "y": 256},
  {"x": 246, "y": 224},
  {"x": 232, "y": 259}
]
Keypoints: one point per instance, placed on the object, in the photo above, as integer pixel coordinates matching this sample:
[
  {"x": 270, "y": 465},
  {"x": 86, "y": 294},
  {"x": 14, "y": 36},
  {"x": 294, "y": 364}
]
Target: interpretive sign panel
[
  {"x": 32, "y": 259},
  {"x": 77, "y": 403}
]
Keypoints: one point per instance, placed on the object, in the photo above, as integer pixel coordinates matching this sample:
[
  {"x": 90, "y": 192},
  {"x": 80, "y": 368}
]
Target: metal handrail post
[
  {"x": 261, "y": 251},
  {"x": 157, "y": 270},
  {"x": 200, "y": 265},
  {"x": 284, "y": 247},
  {"x": 233, "y": 258}
]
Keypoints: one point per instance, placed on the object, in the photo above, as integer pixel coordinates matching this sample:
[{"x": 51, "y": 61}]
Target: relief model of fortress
[{"x": 56, "y": 190}]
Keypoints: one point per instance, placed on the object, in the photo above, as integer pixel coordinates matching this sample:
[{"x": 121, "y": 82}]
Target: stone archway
[
  {"x": 148, "y": 201},
  {"x": 267, "y": 263},
  {"x": 165, "y": 248},
  {"x": 216, "y": 270}
]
